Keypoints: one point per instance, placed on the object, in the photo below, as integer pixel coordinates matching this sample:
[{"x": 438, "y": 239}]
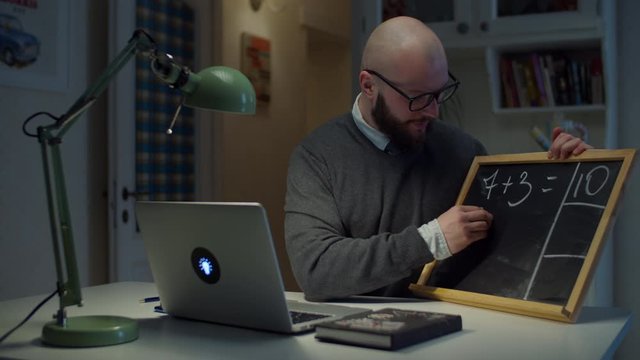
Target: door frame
[{"x": 127, "y": 259}]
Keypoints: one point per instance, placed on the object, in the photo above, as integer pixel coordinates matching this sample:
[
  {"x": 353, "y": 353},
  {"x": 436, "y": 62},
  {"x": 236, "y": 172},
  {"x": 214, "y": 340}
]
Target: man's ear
[{"x": 367, "y": 85}]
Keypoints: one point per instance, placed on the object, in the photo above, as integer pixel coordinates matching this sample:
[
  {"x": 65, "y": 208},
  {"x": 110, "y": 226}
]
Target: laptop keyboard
[{"x": 299, "y": 317}]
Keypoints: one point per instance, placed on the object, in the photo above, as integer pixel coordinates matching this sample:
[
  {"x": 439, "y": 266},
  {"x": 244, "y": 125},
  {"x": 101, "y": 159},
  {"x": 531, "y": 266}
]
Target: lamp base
[{"x": 86, "y": 331}]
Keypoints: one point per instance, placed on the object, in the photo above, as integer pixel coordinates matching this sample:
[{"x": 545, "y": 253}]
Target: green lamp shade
[{"x": 220, "y": 88}]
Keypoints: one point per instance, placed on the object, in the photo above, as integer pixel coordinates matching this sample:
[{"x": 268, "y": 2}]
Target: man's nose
[{"x": 433, "y": 110}]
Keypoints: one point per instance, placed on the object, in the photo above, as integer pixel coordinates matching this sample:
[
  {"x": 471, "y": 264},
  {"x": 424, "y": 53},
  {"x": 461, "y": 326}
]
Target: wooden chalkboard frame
[{"x": 570, "y": 310}]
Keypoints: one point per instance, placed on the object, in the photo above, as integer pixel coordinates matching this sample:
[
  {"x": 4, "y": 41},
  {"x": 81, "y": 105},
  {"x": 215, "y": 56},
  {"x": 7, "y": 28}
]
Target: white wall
[
  {"x": 328, "y": 63},
  {"x": 310, "y": 77},
  {"x": 502, "y": 133},
  {"x": 255, "y": 150},
  {"x": 627, "y": 242},
  {"x": 26, "y": 255}
]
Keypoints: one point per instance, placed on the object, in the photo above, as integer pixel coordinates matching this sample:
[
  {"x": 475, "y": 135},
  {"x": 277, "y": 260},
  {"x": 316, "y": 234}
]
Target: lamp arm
[
  {"x": 140, "y": 42},
  {"x": 50, "y": 138}
]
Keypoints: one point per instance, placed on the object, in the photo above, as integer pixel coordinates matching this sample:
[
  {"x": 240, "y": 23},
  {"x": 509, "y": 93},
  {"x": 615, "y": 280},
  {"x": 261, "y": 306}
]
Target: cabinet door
[
  {"x": 511, "y": 18},
  {"x": 452, "y": 20}
]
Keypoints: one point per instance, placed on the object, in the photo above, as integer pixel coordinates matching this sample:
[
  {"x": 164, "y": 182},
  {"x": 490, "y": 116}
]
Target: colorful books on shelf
[
  {"x": 561, "y": 78},
  {"x": 389, "y": 328}
]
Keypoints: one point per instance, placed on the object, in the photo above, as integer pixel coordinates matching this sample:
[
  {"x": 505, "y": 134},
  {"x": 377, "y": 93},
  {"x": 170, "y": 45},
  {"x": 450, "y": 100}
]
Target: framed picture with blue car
[{"x": 34, "y": 44}]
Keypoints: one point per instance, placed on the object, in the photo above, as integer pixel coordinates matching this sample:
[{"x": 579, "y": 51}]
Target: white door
[{"x": 127, "y": 258}]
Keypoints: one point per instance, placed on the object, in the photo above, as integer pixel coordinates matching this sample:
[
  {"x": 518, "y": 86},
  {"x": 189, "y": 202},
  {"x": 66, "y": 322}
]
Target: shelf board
[{"x": 554, "y": 109}]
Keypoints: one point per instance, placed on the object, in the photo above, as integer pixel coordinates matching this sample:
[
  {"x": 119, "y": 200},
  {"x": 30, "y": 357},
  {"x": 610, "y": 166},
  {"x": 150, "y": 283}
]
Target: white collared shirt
[{"x": 431, "y": 231}]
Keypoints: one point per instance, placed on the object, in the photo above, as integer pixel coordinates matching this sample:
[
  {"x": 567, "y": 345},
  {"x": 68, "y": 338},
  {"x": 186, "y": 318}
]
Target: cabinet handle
[
  {"x": 484, "y": 26},
  {"x": 462, "y": 28}
]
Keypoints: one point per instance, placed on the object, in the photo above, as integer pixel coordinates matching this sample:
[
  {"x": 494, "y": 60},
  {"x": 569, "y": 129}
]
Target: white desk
[{"x": 486, "y": 334}]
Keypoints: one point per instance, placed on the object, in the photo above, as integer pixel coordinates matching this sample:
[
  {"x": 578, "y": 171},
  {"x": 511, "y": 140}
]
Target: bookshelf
[{"x": 561, "y": 77}]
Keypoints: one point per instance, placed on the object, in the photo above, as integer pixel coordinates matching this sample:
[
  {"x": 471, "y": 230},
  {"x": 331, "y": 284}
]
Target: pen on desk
[{"x": 150, "y": 299}]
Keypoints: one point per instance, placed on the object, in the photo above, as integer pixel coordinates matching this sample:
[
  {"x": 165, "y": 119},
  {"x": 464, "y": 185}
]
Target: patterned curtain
[{"x": 164, "y": 163}]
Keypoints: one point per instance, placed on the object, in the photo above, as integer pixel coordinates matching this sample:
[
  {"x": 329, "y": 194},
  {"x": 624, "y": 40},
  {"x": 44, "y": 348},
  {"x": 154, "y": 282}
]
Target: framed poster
[
  {"x": 34, "y": 44},
  {"x": 256, "y": 65}
]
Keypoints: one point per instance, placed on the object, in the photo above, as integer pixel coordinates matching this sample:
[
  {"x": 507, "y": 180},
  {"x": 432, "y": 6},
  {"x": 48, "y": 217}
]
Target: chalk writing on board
[{"x": 590, "y": 189}]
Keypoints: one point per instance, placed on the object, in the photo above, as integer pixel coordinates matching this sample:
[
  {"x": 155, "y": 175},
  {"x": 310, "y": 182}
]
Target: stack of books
[{"x": 551, "y": 79}]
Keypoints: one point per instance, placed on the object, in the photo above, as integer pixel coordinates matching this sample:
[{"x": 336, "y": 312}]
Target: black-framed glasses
[{"x": 417, "y": 103}]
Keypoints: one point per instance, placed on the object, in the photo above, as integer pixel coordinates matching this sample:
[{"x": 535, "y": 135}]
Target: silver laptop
[{"x": 216, "y": 262}]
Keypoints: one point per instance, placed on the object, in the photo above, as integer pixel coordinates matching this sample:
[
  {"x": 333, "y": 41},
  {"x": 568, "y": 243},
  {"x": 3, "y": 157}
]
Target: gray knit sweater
[{"x": 353, "y": 211}]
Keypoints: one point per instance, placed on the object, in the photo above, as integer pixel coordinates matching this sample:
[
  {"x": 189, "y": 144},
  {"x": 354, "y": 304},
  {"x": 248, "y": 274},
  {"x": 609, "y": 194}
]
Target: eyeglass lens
[{"x": 425, "y": 100}]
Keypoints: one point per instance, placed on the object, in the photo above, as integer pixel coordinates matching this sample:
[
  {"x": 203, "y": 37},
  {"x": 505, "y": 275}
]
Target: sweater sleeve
[{"x": 327, "y": 262}]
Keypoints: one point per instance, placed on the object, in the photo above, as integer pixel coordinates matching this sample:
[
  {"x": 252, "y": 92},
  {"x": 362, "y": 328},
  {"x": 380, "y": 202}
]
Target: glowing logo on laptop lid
[{"x": 205, "y": 265}]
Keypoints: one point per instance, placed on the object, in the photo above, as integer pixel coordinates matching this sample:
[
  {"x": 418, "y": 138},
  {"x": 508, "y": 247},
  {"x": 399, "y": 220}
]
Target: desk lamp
[{"x": 215, "y": 88}]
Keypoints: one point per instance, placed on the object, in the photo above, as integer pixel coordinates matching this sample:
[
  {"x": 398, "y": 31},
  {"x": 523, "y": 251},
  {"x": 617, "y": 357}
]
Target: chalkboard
[{"x": 550, "y": 222}]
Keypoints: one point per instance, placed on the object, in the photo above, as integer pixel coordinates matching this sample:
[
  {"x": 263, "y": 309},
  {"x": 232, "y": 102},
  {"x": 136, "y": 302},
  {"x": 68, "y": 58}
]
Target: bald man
[{"x": 370, "y": 194}]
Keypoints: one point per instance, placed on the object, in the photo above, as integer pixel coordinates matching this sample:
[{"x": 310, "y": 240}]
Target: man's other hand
[{"x": 565, "y": 145}]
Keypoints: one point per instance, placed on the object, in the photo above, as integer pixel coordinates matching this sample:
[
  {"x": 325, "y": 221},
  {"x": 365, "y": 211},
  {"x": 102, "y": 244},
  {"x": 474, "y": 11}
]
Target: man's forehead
[{"x": 420, "y": 77}]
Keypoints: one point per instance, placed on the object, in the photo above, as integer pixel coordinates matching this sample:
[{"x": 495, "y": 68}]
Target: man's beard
[{"x": 397, "y": 130}]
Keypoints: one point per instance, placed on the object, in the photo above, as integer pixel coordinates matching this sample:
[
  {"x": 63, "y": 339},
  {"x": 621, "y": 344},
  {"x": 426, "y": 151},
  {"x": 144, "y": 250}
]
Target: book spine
[
  {"x": 562, "y": 82},
  {"x": 548, "y": 78},
  {"x": 597, "y": 93},
  {"x": 531, "y": 88},
  {"x": 575, "y": 76},
  {"x": 434, "y": 330},
  {"x": 521, "y": 87},
  {"x": 537, "y": 70},
  {"x": 509, "y": 96}
]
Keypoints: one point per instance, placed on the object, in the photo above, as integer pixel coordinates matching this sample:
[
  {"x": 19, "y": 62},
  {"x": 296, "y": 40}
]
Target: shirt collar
[{"x": 378, "y": 139}]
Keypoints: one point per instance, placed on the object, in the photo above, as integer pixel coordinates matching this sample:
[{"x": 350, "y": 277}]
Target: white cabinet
[
  {"x": 511, "y": 20},
  {"x": 535, "y": 42},
  {"x": 480, "y": 23},
  {"x": 452, "y": 20},
  {"x": 477, "y": 33},
  {"x": 517, "y": 31}
]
